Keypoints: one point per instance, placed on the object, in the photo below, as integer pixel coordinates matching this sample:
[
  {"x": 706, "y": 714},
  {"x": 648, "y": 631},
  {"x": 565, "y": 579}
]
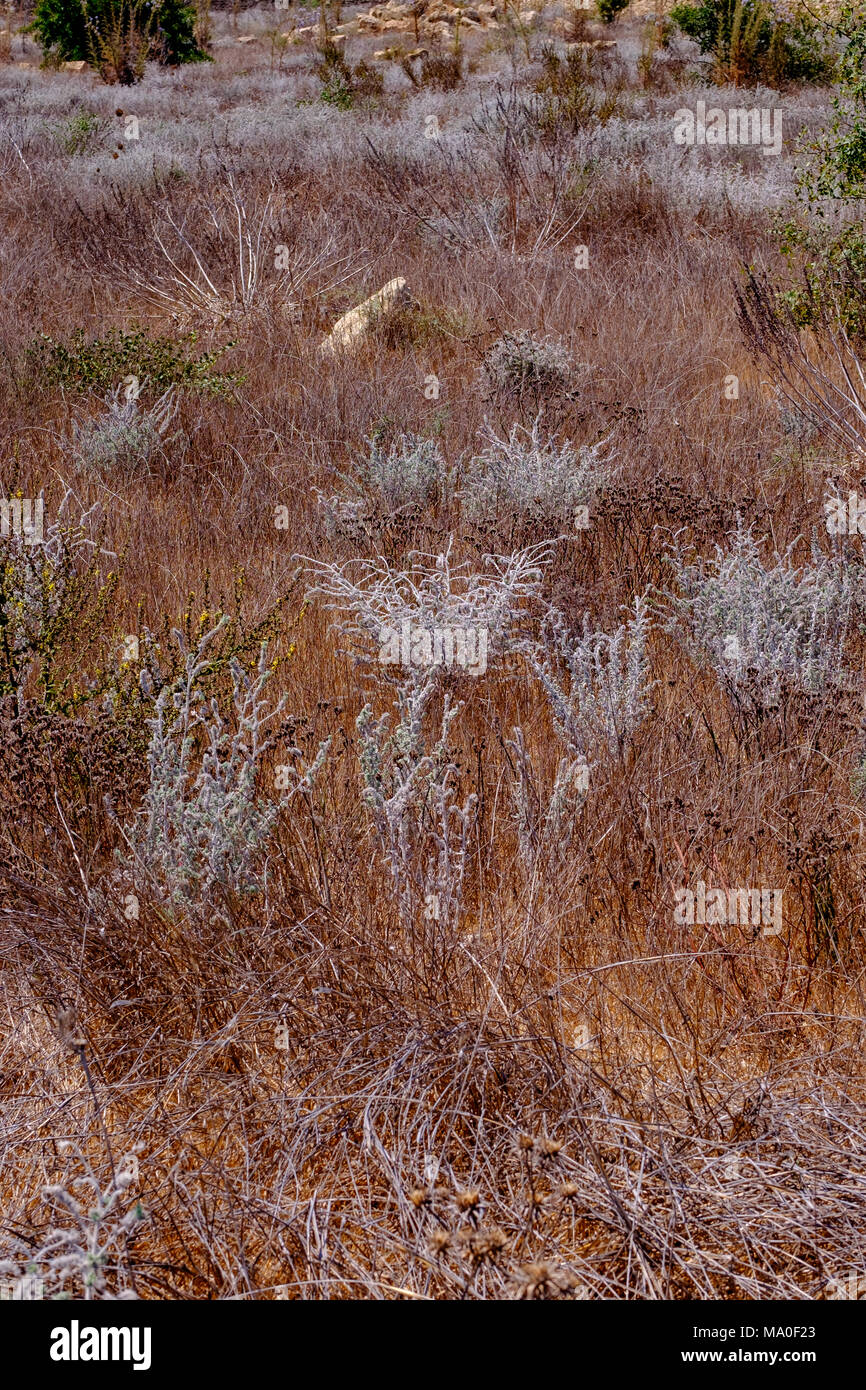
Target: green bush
[
  {"x": 838, "y": 167},
  {"x": 341, "y": 84},
  {"x": 825, "y": 291},
  {"x": 80, "y": 133},
  {"x": 831, "y": 276},
  {"x": 609, "y": 9},
  {"x": 117, "y": 36},
  {"x": 751, "y": 43},
  {"x": 829, "y": 259},
  {"x": 102, "y": 362}
]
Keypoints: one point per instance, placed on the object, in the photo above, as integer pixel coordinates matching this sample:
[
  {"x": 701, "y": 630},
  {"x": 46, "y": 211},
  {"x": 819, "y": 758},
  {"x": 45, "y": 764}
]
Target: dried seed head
[
  {"x": 543, "y": 1281},
  {"x": 440, "y": 1241},
  {"x": 536, "y": 1277},
  {"x": 526, "y": 1142},
  {"x": 419, "y": 1197},
  {"x": 487, "y": 1244},
  {"x": 550, "y": 1147},
  {"x": 568, "y": 1189},
  {"x": 68, "y": 1030},
  {"x": 467, "y": 1201}
]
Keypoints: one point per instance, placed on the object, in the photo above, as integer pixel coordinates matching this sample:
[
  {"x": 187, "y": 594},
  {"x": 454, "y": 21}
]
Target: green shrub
[
  {"x": 829, "y": 259},
  {"x": 117, "y": 36},
  {"x": 838, "y": 166},
  {"x": 81, "y": 133},
  {"x": 831, "y": 277},
  {"x": 572, "y": 93},
  {"x": 341, "y": 84},
  {"x": 609, "y": 9},
  {"x": 751, "y": 43},
  {"x": 102, "y": 362}
]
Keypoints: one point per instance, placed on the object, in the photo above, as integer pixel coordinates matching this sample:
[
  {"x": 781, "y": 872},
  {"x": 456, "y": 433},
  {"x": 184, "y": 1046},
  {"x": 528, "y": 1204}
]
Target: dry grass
[{"x": 333, "y": 1090}]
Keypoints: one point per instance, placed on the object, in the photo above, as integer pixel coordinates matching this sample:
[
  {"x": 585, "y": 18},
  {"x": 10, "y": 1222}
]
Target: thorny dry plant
[{"x": 326, "y": 976}]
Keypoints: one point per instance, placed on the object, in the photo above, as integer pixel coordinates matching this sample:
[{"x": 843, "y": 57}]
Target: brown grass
[{"x": 649, "y": 1110}]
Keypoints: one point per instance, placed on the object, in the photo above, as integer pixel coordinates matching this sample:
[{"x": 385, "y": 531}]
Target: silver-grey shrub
[
  {"x": 597, "y": 686},
  {"x": 519, "y": 364},
  {"x": 762, "y": 627},
  {"x": 605, "y": 697},
  {"x": 407, "y": 475},
  {"x": 127, "y": 437},
  {"x": 372, "y": 598},
  {"x": 409, "y": 788},
  {"x": 202, "y": 823},
  {"x": 408, "y": 777},
  {"x": 410, "y": 473},
  {"x": 86, "y": 1243},
  {"x": 528, "y": 476}
]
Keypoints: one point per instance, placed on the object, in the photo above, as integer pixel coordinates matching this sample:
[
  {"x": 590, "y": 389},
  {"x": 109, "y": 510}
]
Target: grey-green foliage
[
  {"x": 407, "y": 475},
  {"x": 202, "y": 823},
  {"x": 409, "y": 778},
  {"x": 85, "y": 1244},
  {"x": 373, "y": 599},
  {"x": 605, "y": 697},
  {"x": 597, "y": 686},
  {"x": 410, "y": 473},
  {"x": 764, "y": 627},
  {"x": 48, "y": 578},
  {"x": 531, "y": 477},
  {"x": 410, "y": 790},
  {"x": 128, "y": 436},
  {"x": 519, "y": 363}
]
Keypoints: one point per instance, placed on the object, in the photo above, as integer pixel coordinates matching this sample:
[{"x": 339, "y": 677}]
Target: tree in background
[
  {"x": 755, "y": 40},
  {"x": 118, "y": 36}
]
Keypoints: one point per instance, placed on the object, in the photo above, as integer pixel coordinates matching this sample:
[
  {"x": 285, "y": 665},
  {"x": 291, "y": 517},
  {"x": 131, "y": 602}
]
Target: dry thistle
[
  {"x": 549, "y": 1148},
  {"x": 487, "y": 1244},
  {"x": 419, "y": 1197},
  {"x": 467, "y": 1201},
  {"x": 543, "y": 1281},
  {"x": 440, "y": 1241}
]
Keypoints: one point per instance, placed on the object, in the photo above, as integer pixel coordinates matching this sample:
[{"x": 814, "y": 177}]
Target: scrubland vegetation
[{"x": 363, "y": 711}]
